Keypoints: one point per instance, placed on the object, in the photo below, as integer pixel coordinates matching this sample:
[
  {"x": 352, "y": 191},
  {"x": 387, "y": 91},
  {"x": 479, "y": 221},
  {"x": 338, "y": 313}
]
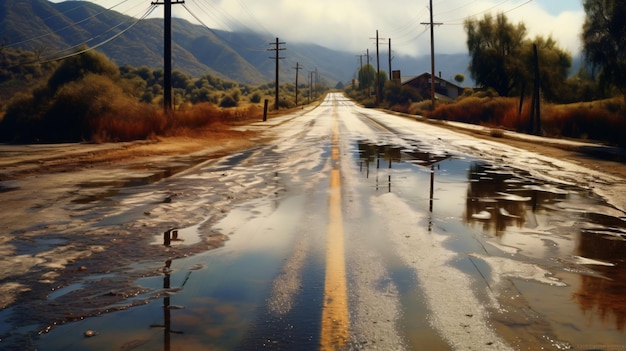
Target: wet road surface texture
[{"x": 352, "y": 229}]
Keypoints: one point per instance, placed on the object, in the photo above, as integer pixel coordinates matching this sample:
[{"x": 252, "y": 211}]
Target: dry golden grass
[
  {"x": 603, "y": 120},
  {"x": 141, "y": 121}
]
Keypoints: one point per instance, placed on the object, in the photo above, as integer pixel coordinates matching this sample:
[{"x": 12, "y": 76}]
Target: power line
[
  {"x": 66, "y": 27},
  {"x": 214, "y": 32},
  {"x": 517, "y": 7},
  {"x": 462, "y": 19},
  {"x": 146, "y": 14},
  {"x": 247, "y": 10},
  {"x": 225, "y": 19}
]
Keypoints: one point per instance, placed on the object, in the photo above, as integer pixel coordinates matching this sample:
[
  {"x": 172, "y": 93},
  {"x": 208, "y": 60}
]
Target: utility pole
[
  {"x": 297, "y": 68},
  {"x": 535, "y": 109},
  {"x": 167, "y": 52},
  {"x": 367, "y": 55},
  {"x": 390, "y": 59},
  {"x": 377, "y": 80},
  {"x": 360, "y": 73},
  {"x": 317, "y": 82},
  {"x": 432, "y": 54},
  {"x": 277, "y": 57},
  {"x": 310, "y": 85}
]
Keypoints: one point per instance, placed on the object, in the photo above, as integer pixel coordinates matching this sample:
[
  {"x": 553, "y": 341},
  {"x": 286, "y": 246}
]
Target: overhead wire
[
  {"x": 518, "y": 6},
  {"x": 461, "y": 20},
  {"x": 454, "y": 9},
  {"x": 52, "y": 57},
  {"x": 66, "y": 27},
  {"x": 214, "y": 32},
  {"x": 409, "y": 25},
  {"x": 223, "y": 18},
  {"x": 209, "y": 10},
  {"x": 249, "y": 12}
]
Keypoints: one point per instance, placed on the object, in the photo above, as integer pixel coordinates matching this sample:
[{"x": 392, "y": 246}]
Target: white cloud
[{"x": 349, "y": 24}]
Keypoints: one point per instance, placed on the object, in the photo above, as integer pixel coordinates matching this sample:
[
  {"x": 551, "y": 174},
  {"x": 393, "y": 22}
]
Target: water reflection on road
[
  {"x": 546, "y": 259},
  {"x": 512, "y": 215}
]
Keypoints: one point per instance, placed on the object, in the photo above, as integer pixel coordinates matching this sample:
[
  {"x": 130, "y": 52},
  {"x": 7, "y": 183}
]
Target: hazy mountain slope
[{"x": 239, "y": 56}]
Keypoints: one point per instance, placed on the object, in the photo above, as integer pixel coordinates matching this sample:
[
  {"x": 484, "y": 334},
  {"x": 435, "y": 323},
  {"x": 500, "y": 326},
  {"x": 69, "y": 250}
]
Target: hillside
[{"x": 55, "y": 29}]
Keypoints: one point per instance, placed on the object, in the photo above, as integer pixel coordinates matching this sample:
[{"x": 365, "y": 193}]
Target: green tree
[
  {"x": 396, "y": 93},
  {"x": 604, "y": 40},
  {"x": 459, "y": 78},
  {"x": 554, "y": 65},
  {"x": 495, "y": 46},
  {"x": 367, "y": 77},
  {"x": 502, "y": 57},
  {"x": 382, "y": 78},
  {"x": 78, "y": 66},
  {"x": 81, "y": 89}
]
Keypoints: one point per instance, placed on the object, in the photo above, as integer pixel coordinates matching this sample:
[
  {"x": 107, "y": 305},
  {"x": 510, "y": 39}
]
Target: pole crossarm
[{"x": 164, "y": 2}]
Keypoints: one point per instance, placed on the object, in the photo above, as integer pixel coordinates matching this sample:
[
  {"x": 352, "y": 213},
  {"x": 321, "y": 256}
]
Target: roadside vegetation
[
  {"x": 88, "y": 98},
  {"x": 590, "y": 104}
]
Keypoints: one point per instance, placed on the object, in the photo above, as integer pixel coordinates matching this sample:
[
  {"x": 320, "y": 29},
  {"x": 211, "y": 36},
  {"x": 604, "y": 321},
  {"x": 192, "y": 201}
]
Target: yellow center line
[{"x": 335, "y": 320}]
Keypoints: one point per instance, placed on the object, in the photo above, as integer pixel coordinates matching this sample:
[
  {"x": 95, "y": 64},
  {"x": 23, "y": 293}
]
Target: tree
[
  {"x": 367, "y": 77},
  {"x": 502, "y": 57},
  {"x": 459, "y": 78},
  {"x": 604, "y": 40},
  {"x": 554, "y": 65},
  {"x": 78, "y": 66},
  {"x": 495, "y": 46},
  {"x": 382, "y": 78}
]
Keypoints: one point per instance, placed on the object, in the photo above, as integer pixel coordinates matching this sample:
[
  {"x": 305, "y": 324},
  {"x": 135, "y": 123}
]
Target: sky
[{"x": 351, "y": 25}]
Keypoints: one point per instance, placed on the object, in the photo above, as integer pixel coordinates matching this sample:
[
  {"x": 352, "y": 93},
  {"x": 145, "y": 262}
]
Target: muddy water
[{"x": 551, "y": 254}]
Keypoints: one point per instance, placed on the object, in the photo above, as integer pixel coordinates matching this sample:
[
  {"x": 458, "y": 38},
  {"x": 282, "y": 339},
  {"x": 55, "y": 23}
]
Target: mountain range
[{"x": 55, "y": 29}]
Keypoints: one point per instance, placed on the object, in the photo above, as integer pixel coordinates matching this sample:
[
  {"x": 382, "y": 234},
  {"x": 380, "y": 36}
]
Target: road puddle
[
  {"x": 544, "y": 261},
  {"x": 550, "y": 252},
  {"x": 207, "y": 300}
]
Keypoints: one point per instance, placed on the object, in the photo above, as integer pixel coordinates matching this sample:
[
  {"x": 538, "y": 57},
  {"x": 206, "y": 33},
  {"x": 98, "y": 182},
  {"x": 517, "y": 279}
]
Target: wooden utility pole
[
  {"x": 310, "y": 86},
  {"x": 535, "y": 105},
  {"x": 377, "y": 80},
  {"x": 360, "y": 74},
  {"x": 390, "y": 59},
  {"x": 377, "y": 71},
  {"x": 432, "y": 54},
  {"x": 167, "y": 52},
  {"x": 277, "y": 57},
  {"x": 317, "y": 82},
  {"x": 297, "y": 68},
  {"x": 367, "y": 55}
]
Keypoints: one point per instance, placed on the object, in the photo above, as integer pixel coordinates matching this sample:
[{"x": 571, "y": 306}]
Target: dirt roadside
[{"x": 20, "y": 161}]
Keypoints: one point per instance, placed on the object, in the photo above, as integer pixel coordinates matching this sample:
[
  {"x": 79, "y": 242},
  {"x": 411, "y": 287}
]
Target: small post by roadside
[
  {"x": 265, "y": 103},
  {"x": 167, "y": 239}
]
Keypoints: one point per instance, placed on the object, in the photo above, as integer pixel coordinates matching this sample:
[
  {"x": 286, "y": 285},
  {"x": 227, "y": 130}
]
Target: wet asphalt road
[{"x": 352, "y": 229}]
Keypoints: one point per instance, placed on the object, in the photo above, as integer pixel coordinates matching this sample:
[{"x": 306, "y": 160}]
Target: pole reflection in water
[
  {"x": 432, "y": 195},
  {"x": 167, "y": 308},
  {"x": 369, "y": 152}
]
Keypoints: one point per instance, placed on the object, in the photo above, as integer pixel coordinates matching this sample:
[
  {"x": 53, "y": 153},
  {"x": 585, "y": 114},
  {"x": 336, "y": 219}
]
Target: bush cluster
[{"x": 88, "y": 98}]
